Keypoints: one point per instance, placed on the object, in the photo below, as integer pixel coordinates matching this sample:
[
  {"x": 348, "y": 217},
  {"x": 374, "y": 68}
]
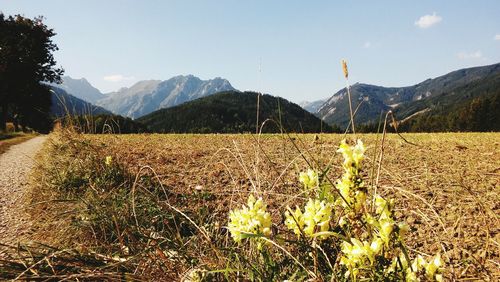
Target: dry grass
[
  {"x": 11, "y": 139},
  {"x": 447, "y": 188}
]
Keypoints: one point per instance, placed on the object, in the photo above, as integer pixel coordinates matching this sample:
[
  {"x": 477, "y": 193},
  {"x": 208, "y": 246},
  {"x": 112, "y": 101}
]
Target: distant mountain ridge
[
  {"x": 80, "y": 88},
  {"x": 233, "y": 112},
  {"x": 404, "y": 101},
  {"x": 64, "y": 104},
  {"x": 313, "y": 106},
  {"x": 147, "y": 96}
]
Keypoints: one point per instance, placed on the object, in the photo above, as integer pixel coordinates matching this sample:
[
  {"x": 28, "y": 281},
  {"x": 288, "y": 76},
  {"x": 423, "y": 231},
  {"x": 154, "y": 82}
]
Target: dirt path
[{"x": 15, "y": 166}]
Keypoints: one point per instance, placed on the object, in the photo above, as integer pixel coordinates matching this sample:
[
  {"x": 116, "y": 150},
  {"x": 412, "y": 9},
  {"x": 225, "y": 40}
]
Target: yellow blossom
[
  {"x": 317, "y": 213},
  {"x": 108, "y": 160},
  {"x": 418, "y": 263},
  {"x": 376, "y": 245},
  {"x": 433, "y": 266},
  {"x": 250, "y": 219},
  {"x": 344, "y": 187},
  {"x": 346, "y": 152},
  {"x": 350, "y": 184},
  {"x": 316, "y": 218},
  {"x": 309, "y": 179},
  {"x": 353, "y": 155},
  {"x": 353, "y": 253},
  {"x": 295, "y": 221},
  {"x": 357, "y": 254},
  {"x": 386, "y": 227},
  {"x": 411, "y": 276},
  {"x": 382, "y": 206}
]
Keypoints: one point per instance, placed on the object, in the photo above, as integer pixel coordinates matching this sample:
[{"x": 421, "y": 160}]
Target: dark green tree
[{"x": 26, "y": 64}]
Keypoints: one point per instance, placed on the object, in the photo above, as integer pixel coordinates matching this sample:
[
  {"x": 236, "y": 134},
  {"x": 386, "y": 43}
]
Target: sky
[{"x": 287, "y": 48}]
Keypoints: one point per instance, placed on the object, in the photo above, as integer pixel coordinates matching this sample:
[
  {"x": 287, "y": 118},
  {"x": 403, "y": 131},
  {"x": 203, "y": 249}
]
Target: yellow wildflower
[
  {"x": 346, "y": 152},
  {"x": 411, "y": 276},
  {"x": 357, "y": 255},
  {"x": 353, "y": 155},
  {"x": 108, "y": 160},
  {"x": 418, "y": 263},
  {"x": 376, "y": 246},
  {"x": 316, "y": 218},
  {"x": 317, "y": 213},
  {"x": 250, "y": 219},
  {"x": 386, "y": 227},
  {"x": 358, "y": 153},
  {"x": 353, "y": 253},
  {"x": 309, "y": 179},
  {"x": 433, "y": 267},
  {"x": 381, "y": 205},
  {"x": 344, "y": 187},
  {"x": 295, "y": 221}
]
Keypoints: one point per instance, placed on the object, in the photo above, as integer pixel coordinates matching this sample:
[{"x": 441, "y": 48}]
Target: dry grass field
[{"x": 446, "y": 187}]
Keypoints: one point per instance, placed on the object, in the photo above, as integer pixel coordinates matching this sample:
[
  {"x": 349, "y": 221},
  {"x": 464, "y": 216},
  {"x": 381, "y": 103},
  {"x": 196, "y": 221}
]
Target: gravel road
[{"x": 15, "y": 167}]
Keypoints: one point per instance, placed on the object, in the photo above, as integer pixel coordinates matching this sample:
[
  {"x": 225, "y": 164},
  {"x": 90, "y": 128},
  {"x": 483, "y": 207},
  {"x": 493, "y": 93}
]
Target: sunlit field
[{"x": 159, "y": 204}]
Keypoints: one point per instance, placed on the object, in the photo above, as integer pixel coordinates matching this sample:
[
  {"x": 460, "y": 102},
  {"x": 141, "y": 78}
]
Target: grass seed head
[{"x": 344, "y": 68}]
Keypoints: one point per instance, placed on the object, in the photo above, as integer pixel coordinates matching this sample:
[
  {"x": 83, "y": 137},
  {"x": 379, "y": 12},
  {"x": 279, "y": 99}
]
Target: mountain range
[
  {"x": 434, "y": 101},
  {"x": 406, "y": 102},
  {"x": 146, "y": 96},
  {"x": 80, "y": 88}
]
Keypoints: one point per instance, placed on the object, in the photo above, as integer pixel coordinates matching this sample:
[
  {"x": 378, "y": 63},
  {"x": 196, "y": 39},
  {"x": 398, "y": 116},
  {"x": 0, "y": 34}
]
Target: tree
[{"x": 26, "y": 65}]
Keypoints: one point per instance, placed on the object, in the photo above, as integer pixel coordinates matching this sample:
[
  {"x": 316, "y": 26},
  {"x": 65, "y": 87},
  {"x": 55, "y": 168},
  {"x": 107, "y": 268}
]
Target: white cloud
[
  {"x": 117, "y": 78},
  {"x": 428, "y": 20},
  {"x": 472, "y": 55},
  {"x": 496, "y": 37},
  {"x": 367, "y": 44}
]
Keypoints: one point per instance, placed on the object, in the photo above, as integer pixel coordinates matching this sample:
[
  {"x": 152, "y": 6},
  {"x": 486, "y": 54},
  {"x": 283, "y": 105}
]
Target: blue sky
[{"x": 299, "y": 44}]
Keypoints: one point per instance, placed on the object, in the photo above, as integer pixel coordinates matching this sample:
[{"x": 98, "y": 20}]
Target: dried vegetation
[{"x": 160, "y": 208}]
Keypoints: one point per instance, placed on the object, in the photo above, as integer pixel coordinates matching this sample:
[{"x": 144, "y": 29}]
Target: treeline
[
  {"x": 481, "y": 114},
  {"x": 235, "y": 112},
  {"x": 101, "y": 124}
]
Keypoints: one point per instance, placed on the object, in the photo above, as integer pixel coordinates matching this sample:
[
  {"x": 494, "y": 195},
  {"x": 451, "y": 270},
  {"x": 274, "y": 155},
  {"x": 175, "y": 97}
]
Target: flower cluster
[
  {"x": 351, "y": 186},
  {"x": 310, "y": 179},
  {"x": 372, "y": 239},
  {"x": 250, "y": 219},
  {"x": 316, "y": 218},
  {"x": 359, "y": 253},
  {"x": 431, "y": 270},
  {"x": 352, "y": 155},
  {"x": 384, "y": 221}
]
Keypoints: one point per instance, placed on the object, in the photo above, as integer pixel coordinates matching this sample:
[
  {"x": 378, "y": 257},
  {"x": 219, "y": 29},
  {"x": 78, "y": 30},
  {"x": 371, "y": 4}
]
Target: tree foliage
[
  {"x": 480, "y": 115},
  {"x": 472, "y": 107},
  {"x": 26, "y": 62},
  {"x": 234, "y": 112}
]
